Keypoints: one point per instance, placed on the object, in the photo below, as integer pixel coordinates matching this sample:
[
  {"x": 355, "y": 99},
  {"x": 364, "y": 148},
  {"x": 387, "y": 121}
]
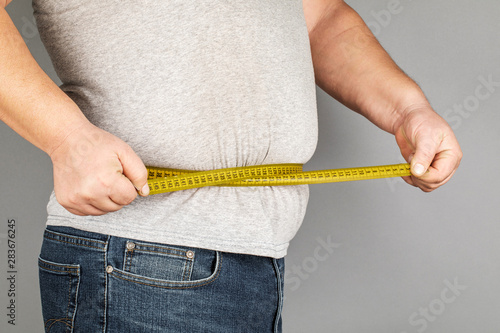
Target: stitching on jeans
[
  {"x": 76, "y": 301},
  {"x": 142, "y": 247},
  {"x": 184, "y": 270},
  {"x": 105, "y": 253},
  {"x": 169, "y": 287},
  {"x": 58, "y": 271},
  {"x": 59, "y": 265},
  {"x": 280, "y": 297},
  {"x": 168, "y": 253},
  {"x": 188, "y": 263},
  {"x": 53, "y": 321},
  {"x": 58, "y": 240},
  {"x": 160, "y": 247},
  {"x": 60, "y": 234},
  {"x": 128, "y": 260},
  {"x": 69, "y": 297},
  {"x": 45, "y": 265}
]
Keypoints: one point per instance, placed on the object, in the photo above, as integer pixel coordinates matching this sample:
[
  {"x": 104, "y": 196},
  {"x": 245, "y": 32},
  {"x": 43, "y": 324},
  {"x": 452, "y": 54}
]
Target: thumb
[
  {"x": 135, "y": 170},
  {"x": 424, "y": 155}
]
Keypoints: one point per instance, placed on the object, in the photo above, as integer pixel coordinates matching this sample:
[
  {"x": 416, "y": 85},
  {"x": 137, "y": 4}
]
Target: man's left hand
[{"x": 427, "y": 142}]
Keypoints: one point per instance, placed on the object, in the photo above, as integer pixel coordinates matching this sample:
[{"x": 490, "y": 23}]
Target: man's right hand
[{"x": 95, "y": 172}]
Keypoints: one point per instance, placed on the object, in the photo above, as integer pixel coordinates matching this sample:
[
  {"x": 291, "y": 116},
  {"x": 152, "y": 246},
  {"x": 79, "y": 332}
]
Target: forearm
[
  {"x": 30, "y": 102},
  {"x": 352, "y": 66}
]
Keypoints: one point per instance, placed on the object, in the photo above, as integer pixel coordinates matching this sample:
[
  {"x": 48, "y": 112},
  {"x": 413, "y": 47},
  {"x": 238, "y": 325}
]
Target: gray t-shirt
[{"x": 193, "y": 85}]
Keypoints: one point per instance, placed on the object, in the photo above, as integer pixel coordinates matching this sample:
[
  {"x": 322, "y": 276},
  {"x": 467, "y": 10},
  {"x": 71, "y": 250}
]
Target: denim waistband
[{"x": 77, "y": 237}]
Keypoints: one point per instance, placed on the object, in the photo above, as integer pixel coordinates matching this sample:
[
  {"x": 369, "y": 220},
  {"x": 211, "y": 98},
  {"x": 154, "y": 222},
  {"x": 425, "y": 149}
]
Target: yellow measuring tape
[{"x": 162, "y": 180}]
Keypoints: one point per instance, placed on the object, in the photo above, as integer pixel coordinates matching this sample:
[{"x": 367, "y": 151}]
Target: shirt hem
[{"x": 250, "y": 248}]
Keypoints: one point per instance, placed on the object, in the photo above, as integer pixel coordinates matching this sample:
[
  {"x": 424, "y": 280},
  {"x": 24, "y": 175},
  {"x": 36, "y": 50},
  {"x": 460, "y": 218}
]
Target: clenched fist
[{"x": 96, "y": 172}]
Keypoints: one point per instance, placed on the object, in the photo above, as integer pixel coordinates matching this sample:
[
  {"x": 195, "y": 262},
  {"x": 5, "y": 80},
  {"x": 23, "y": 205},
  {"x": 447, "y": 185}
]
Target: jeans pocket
[
  {"x": 59, "y": 291},
  {"x": 167, "y": 266}
]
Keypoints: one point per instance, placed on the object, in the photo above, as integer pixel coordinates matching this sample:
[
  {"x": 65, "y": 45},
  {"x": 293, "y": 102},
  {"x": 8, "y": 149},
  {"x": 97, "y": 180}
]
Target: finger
[
  {"x": 105, "y": 204},
  {"x": 122, "y": 191},
  {"x": 439, "y": 172},
  {"x": 426, "y": 149},
  {"x": 444, "y": 165},
  {"x": 135, "y": 170},
  {"x": 408, "y": 180},
  {"x": 428, "y": 186},
  {"x": 74, "y": 211},
  {"x": 86, "y": 210}
]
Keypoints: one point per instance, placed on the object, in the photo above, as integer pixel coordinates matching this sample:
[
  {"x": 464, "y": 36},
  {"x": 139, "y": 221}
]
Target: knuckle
[
  {"x": 103, "y": 182},
  {"x": 70, "y": 200},
  {"x": 130, "y": 197},
  {"x": 87, "y": 197}
]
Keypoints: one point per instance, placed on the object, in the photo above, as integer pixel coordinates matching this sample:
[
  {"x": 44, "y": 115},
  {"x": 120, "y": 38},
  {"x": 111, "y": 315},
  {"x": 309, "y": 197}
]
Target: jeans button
[
  {"x": 109, "y": 269},
  {"x": 190, "y": 254},
  {"x": 130, "y": 246}
]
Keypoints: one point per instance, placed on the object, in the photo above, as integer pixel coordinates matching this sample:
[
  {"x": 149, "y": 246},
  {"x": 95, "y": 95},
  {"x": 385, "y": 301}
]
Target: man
[{"x": 194, "y": 85}]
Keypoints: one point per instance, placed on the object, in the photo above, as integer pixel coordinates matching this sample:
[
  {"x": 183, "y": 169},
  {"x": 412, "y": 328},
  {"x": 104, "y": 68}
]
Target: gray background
[{"x": 395, "y": 252}]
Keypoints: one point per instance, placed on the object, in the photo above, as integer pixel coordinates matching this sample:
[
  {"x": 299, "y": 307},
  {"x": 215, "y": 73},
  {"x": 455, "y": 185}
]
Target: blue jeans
[{"x": 92, "y": 283}]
